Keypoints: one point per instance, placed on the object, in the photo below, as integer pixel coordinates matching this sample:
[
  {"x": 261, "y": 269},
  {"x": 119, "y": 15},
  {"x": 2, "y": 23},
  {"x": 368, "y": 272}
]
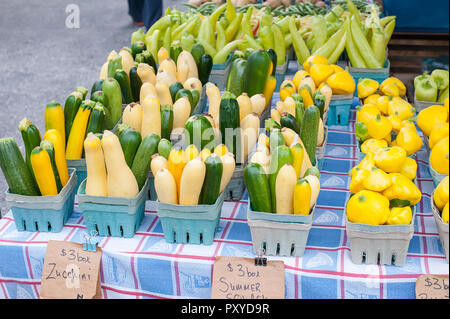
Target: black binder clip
[
  {"x": 90, "y": 241},
  {"x": 260, "y": 260}
]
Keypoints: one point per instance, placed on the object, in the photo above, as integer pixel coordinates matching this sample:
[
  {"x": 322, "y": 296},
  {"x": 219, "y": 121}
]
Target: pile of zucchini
[{"x": 280, "y": 177}]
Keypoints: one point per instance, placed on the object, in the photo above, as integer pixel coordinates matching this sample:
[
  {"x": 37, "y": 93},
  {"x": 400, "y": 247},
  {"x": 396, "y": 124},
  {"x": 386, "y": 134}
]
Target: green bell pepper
[{"x": 426, "y": 90}]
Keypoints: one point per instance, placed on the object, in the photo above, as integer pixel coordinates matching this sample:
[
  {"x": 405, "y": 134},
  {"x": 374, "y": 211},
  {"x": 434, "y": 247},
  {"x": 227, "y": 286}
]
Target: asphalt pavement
[{"x": 45, "y": 56}]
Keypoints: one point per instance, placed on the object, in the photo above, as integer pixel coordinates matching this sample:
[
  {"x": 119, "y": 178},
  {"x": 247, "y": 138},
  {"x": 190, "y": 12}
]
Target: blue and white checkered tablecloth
[{"x": 146, "y": 266}]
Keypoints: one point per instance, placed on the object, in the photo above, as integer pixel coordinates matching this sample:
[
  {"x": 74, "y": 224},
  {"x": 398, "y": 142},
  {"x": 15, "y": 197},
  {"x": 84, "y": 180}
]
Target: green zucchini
[
  {"x": 135, "y": 84},
  {"x": 211, "y": 184},
  {"x": 82, "y": 90},
  {"x": 143, "y": 158},
  {"x": 198, "y": 131},
  {"x": 197, "y": 51},
  {"x": 319, "y": 101},
  {"x": 96, "y": 119},
  {"x": 111, "y": 89},
  {"x": 299, "y": 109},
  {"x": 276, "y": 139},
  {"x": 166, "y": 121},
  {"x": 288, "y": 120},
  {"x": 236, "y": 77},
  {"x": 31, "y": 138},
  {"x": 205, "y": 67},
  {"x": 97, "y": 86},
  {"x": 73, "y": 102},
  {"x": 122, "y": 77},
  {"x": 137, "y": 47},
  {"x": 257, "y": 72},
  {"x": 195, "y": 97},
  {"x": 309, "y": 131},
  {"x": 164, "y": 148},
  {"x": 279, "y": 156},
  {"x": 229, "y": 122},
  {"x": 174, "y": 88},
  {"x": 274, "y": 59},
  {"x": 258, "y": 188},
  {"x": 17, "y": 174},
  {"x": 129, "y": 141},
  {"x": 50, "y": 149},
  {"x": 114, "y": 64}
]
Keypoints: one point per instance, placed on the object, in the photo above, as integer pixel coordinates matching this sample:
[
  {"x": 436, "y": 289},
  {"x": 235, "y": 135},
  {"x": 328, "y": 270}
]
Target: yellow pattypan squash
[
  {"x": 439, "y": 132},
  {"x": 357, "y": 180},
  {"x": 366, "y": 113},
  {"x": 383, "y": 104},
  {"x": 409, "y": 140},
  {"x": 402, "y": 191},
  {"x": 409, "y": 168},
  {"x": 400, "y": 216},
  {"x": 440, "y": 196},
  {"x": 368, "y": 207},
  {"x": 320, "y": 72},
  {"x": 390, "y": 159},
  {"x": 341, "y": 83},
  {"x": 401, "y": 108},
  {"x": 393, "y": 80},
  {"x": 372, "y": 99},
  {"x": 372, "y": 145},
  {"x": 377, "y": 180},
  {"x": 439, "y": 156},
  {"x": 396, "y": 122},
  {"x": 314, "y": 59},
  {"x": 366, "y": 87},
  {"x": 367, "y": 162},
  {"x": 379, "y": 127},
  {"x": 429, "y": 117}
]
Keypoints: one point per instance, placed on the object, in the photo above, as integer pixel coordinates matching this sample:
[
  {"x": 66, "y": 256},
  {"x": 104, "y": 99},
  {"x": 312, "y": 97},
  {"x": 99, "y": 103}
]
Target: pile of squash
[
  {"x": 383, "y": 188},
  {"x": 280, "y": 177},
  {"x": 385, "y": 117},
  {"x": 433, "y": 121}
]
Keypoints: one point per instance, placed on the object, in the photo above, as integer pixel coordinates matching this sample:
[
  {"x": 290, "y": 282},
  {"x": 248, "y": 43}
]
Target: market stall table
[{"x": 146, "y": 266}]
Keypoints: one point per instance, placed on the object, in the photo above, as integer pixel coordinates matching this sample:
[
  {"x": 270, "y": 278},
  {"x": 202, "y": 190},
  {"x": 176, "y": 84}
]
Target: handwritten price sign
[
  {"x": 432, "y": 287},
  {"x": 70, "y": 272},
  {"x": 239, "y": 278}
]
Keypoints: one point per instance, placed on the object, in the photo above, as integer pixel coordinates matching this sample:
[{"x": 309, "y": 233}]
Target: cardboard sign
[
  {"x": 70, "y": 272},
  {"x": 240, "y": 278},
  {"x": 432, "y": 287}
]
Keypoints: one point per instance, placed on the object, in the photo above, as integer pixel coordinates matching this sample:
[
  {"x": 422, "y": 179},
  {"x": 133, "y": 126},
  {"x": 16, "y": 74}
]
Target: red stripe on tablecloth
[
  {"x": 330, "y": 207},
  {"x": 380, "y": 268},
  {"x": 4, "y": 290},
  {"x": 177, "y": 274},
  {"x": 8, "y": 220},
  {"x": 16, "y": 281},
  {"x": 296, "y": 279},
  {"x": 30, "y": 269},
  {"x": 344, "y": 247}
]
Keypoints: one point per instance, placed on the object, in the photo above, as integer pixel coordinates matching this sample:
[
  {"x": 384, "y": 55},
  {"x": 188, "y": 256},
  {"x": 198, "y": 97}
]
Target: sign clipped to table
[
  {"x": 70, "y": 272},
  {"x": 432, "y": 287},
  {"x": 240, "y": 278}
]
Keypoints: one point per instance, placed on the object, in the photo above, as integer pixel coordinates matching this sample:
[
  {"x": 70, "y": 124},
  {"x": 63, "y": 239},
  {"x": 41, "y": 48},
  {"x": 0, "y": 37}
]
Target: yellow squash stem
[
  {"x": 54, "y": 136},
  {"x": 54, "y": 118},
  {"x": 43, "y": 171}
]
